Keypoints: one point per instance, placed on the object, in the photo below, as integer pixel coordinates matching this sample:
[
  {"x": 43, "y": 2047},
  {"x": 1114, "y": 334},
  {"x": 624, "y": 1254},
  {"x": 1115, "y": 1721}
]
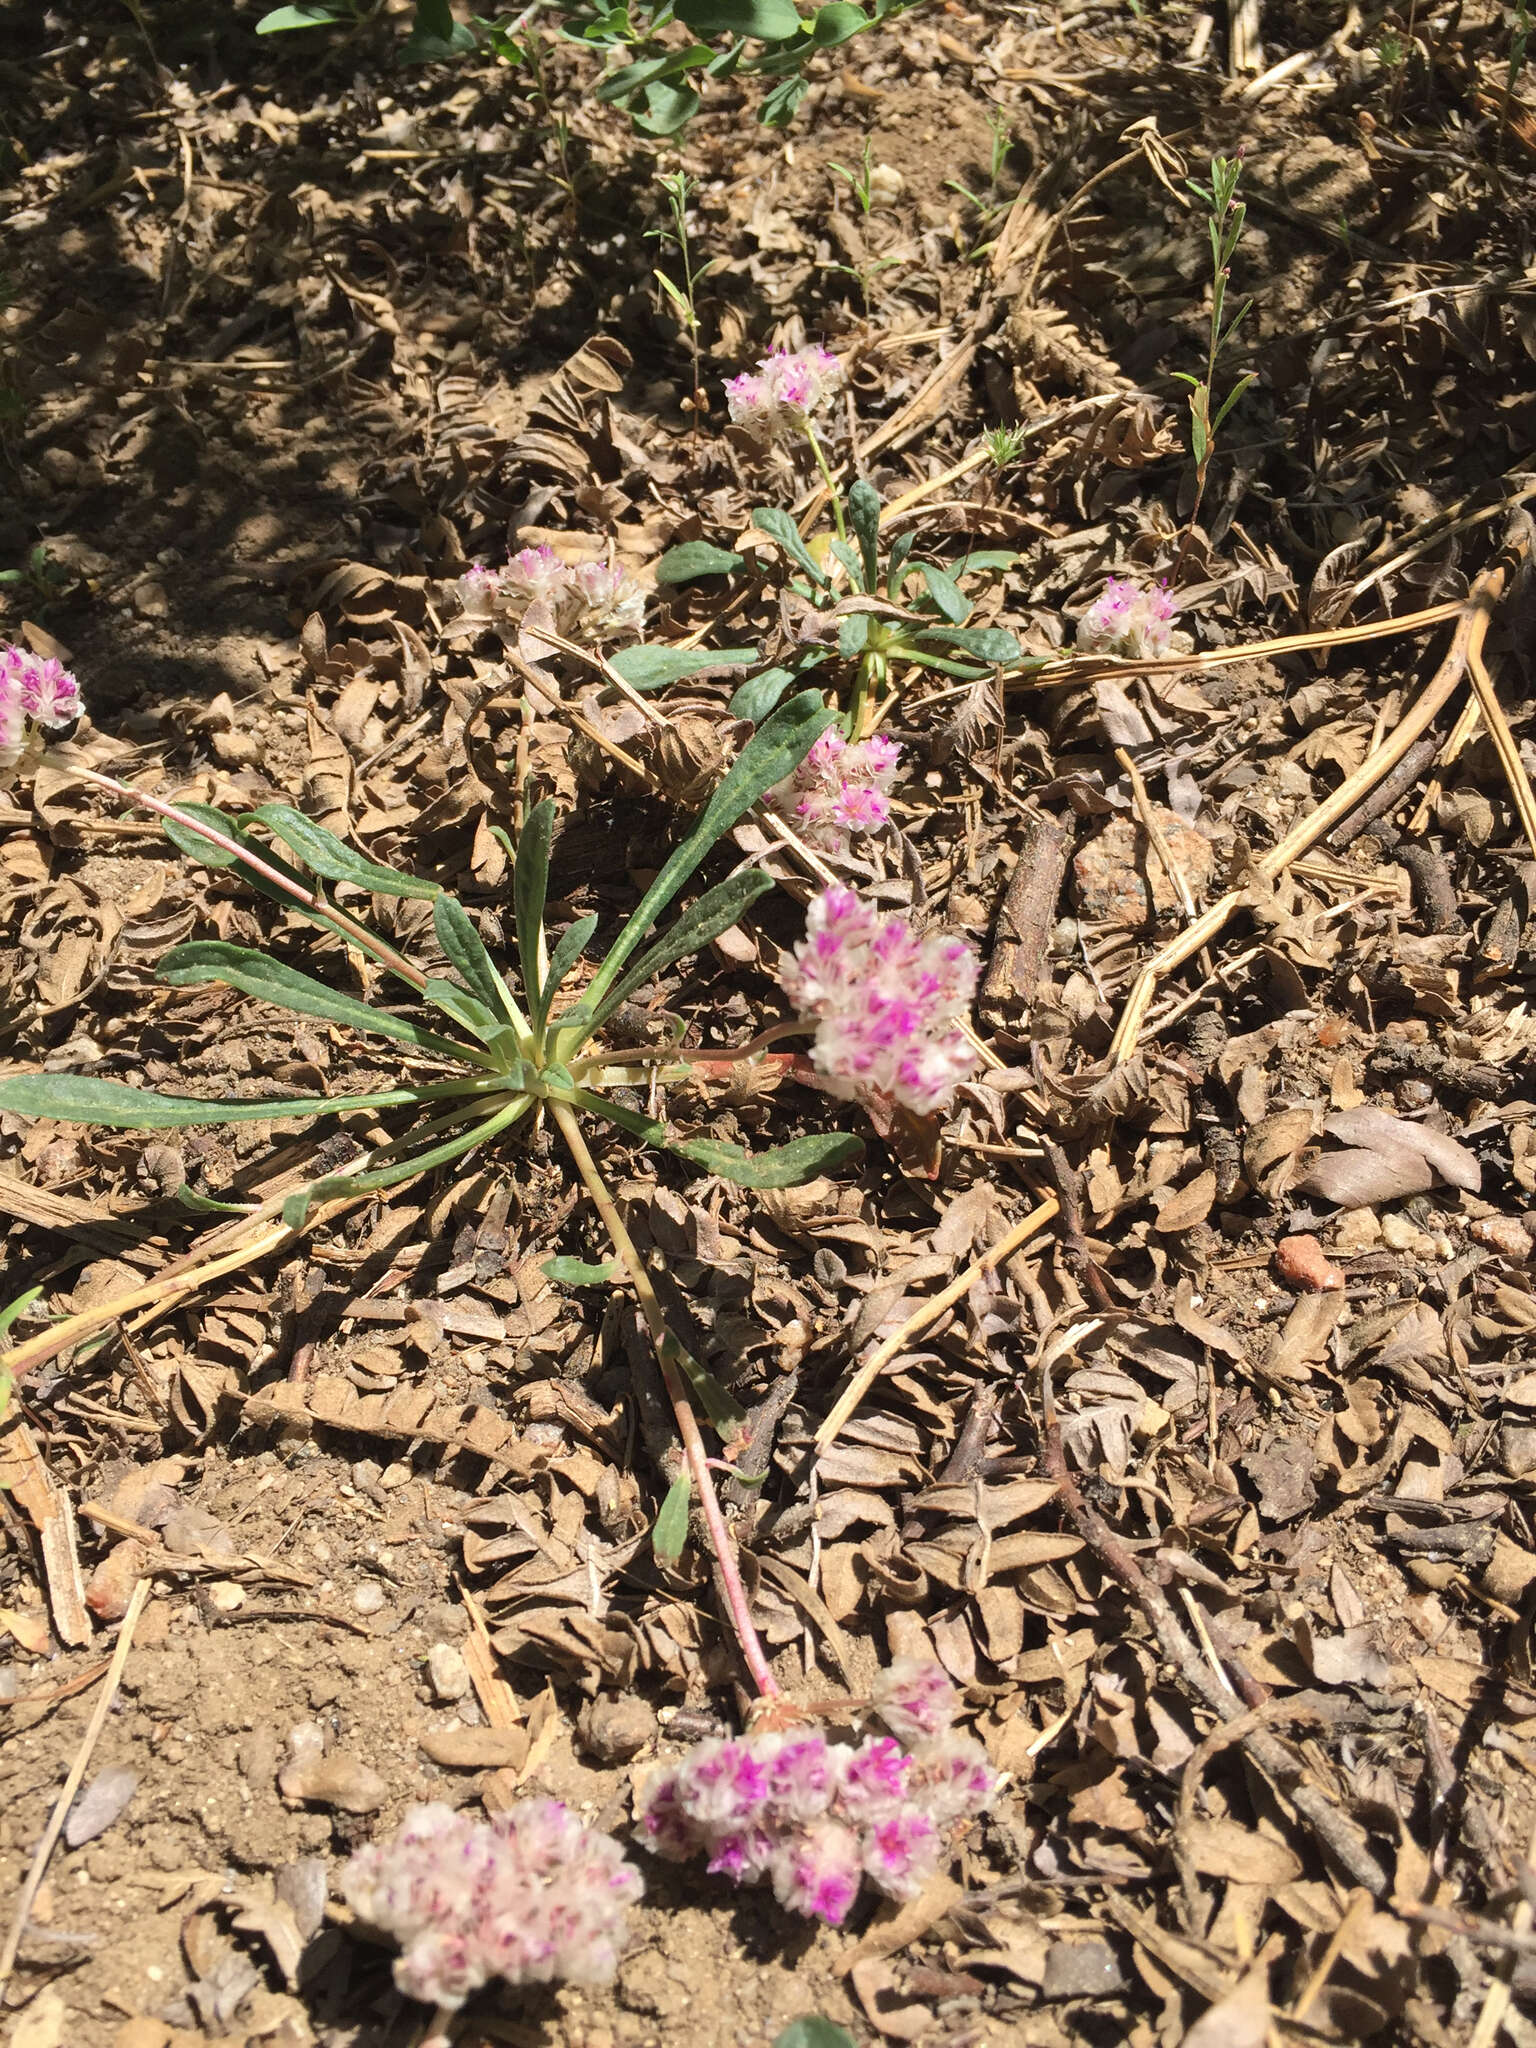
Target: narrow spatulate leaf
[
  {"x": 652, "y": 668},
  {"x": 946, "y": 594},
  {"x": 779, "y": 526},
  {"x": 986, "y": 643},
  {"x": 464, "y": 1009},
  {"x": 85, "y": 1099},
  {"x": 715, "y": 912},
  {"x": 759, "y": 694},
  {"x": 332, "y": 857},
  {"x": 778, "y": 746},
  {"x": 566, "y": 954},
  {"x": 466, "y": 953},
  {"x": 691, "y": 559},
  {"x": 15, "y": 1310},
  {"x": 670, "y": 1532},
  {"x": 864, "y": 518},
  {"x": 257, "y": 974},
  {"x": 530, "y": 885},
  {"x": 578, "y": 1273},
  {"x": 782, "y": 1166},
  {"x": 336, "y": 1187},
  {"x": 197, "y": 848}
]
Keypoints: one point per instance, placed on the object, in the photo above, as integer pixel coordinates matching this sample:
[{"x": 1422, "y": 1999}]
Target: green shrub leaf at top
[
  {"x": 771, "y": 21},
  {"x": 668, "y": 109},
  {"x": 813, "y": 2032},
  {"x": 652, "y": 668},
  {"x": 691, "y": 559},
  {"x": 836, "y": 23}
]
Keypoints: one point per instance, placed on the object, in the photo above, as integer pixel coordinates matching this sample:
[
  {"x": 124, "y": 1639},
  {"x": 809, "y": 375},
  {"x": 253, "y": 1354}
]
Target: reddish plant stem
[
  {"x": 667, "y": 1350},
  {"x": 210, "y": 834}
]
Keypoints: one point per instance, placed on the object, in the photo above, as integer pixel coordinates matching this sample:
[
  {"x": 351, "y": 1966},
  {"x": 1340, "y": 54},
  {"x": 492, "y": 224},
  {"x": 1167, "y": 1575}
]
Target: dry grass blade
[
  {"x": 1500, "y": 1998},
  {"x": 1504, "y": 743},
  {"x": 1475, "y": 617},
  {"x": 864, "y": 1378},
  {"x": 39, "y": 1865}
]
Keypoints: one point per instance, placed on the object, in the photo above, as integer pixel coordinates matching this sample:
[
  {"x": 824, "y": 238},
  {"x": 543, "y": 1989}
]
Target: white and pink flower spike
[
  {"x": 597, "y": 601},
  {"x": 777, "y": 400},
  {"x": 36, "y": 697},
  {"x": 839, "y": 789},
  {"x": 817, "y": 1818},
  {"x": 530, "y": 1896},
  {"x": 888, "y": 1004},
  {"x": 1126, "y": 620}
]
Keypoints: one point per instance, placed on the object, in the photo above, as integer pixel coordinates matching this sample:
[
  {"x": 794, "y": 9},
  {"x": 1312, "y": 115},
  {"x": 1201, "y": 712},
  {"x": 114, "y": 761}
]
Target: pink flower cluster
[
  {"x": 593, "y": 600},
  {"x": 888, "y": 1002},
  {"x": 530, "y": 1895},
  {"x": 815, "y": 1818},
  {"x": 35, "y": 696},
  {"x": 838, "y": 788},
  {"x": 1126, "y": 620},
  {"x": 776, "y": 400}
]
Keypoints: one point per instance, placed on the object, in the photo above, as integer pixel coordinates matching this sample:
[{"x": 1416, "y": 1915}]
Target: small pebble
[
  {"x": 477, "y": 1749},
  {"x": 102, "y": 1802},
  {"x": 306, "y": 1739},
  {"x": 226, "y": 1595},
  {"x": 447, "y": 1673},
  {"x": 614, "y": 1730},
  {"x": 302, "y": 1887},
  {"x": 1505, "y": 1234},
  {"x": 1303, "y": 1265},
  {"x": 1404, "y": 1235},
  {"x": 395, "y": 1475},
  {"x": 369, "y": 1597}
]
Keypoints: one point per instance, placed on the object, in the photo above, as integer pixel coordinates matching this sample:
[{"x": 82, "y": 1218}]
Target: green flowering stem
[
  {"x": 611, "y": 1069},
  {"x": 826, "y": 476}
]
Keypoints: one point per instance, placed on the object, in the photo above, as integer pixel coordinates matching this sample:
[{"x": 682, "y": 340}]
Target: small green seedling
[
  {"x": 1226, "y": 215},
  {"x": 860, "y": 181}
]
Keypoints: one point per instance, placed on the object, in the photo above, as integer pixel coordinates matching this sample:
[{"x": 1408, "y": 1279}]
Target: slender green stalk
[
  {"x": 826, "y": 476},
  {"x": 1225, "y": 220},
  {"x": 683, "y": 1056}
]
